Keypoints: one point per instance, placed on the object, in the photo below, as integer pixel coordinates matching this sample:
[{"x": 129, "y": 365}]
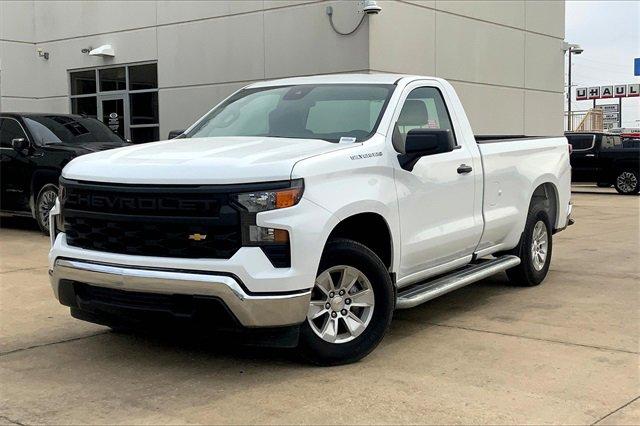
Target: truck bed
[
  {"x": 512, "y": 171},
  {"x": 506, "y": 138}
]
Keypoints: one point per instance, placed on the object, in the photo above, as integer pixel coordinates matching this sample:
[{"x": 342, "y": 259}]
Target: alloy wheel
[
  {"x": 539, "y": 245},
  {"x": 627, "y": 182},
  {"x": 47, "y": 202},
  {"x": 342, "y": 303}
]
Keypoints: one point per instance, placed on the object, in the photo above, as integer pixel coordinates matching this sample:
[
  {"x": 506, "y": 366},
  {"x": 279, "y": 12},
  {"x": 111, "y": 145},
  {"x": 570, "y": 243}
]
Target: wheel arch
[
  {"x": 370, "y": 229},
  {"x": 547, "y": 192}
]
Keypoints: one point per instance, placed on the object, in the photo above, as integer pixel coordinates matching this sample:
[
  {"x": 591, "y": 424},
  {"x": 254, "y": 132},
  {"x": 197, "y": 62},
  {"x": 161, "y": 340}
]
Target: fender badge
[{"x": 198, "y": 237}]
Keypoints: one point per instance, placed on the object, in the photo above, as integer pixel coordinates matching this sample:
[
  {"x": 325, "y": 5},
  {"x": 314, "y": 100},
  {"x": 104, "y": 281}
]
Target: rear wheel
[
  {"x": 351, "y": 305},
  {"x": 627, "y": 182},
  {"x": 534, "y": 249},
  {"x": 44, "y": 203}
]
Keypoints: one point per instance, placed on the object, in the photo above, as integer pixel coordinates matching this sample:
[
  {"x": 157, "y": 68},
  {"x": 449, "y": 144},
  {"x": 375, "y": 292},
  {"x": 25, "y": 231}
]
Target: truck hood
[{"x": 217, "y": 160}]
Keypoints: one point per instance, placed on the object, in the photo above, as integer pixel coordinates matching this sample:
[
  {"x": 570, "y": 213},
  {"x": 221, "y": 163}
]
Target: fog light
[{"x": 259, "y": 234}]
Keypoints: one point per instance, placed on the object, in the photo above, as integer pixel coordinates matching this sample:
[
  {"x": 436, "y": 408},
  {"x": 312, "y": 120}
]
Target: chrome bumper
[
  {"x": 569, "y": 221},
  {"x": 251, "y": 310}
]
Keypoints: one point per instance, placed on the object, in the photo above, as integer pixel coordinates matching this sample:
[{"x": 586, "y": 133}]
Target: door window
[
  {"x": 424, "y": 108},
  {"x": 581, "y": 142},
  {"x": 113, "y": 115},
  {"x": 611, "y": 142},
  {"x": 10, "y": 129}
]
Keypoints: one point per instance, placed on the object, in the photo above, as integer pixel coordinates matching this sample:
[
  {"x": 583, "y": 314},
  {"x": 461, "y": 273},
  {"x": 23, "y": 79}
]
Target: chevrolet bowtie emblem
[{"x": 198, "y": 237}]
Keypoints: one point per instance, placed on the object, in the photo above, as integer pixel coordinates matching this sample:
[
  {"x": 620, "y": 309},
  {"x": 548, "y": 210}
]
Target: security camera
[
  {"x": 371, "y": 7},
  {"x": 577, "y": 50}
]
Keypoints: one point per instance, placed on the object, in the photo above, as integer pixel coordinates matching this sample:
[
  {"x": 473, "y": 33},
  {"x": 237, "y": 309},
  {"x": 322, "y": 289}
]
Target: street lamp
[{"x": 576, "y": 49}]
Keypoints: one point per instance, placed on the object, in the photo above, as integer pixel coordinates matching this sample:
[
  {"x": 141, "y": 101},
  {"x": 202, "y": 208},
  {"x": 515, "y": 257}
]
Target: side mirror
[
  {"x": 20, "y": 144},
  {"x": 421, "y": 142},
  {"x": 173, "y": 134}
]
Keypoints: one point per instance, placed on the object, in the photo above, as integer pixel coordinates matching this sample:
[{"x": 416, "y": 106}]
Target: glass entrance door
[{"x": 113, "y": 112}]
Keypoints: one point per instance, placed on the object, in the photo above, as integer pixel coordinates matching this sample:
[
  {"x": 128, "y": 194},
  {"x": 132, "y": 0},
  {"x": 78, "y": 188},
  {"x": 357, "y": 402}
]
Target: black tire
[
  {"x": 627, "y": 182},
  {"x": 353, "y": 254},
  {"x": 526, "y": 274},
  {"x": 44, "y": 204}
]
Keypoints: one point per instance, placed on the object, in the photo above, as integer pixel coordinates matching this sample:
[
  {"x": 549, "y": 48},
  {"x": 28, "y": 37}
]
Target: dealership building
[{"x": 147, "y": 67}]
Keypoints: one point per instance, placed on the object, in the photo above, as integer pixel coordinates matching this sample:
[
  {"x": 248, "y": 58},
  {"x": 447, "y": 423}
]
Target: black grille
[
  {"x": 176, "y": 221},
  {"x": 127, "y": 299},
  {"x": 131, "y": 303}
]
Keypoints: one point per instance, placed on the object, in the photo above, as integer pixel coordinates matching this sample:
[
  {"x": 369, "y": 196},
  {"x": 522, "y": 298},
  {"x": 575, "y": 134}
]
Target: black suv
[
  {"x": 33, "y": 150},
  {"x": 604, "y": 159}
]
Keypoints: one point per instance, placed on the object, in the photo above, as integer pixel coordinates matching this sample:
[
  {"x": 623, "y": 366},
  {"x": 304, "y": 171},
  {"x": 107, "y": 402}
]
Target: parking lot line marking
[
  {"x": 616, "y": 410},
  {"x": 602, "y": 348},
  {"x": 52, "y": 343},
  {"x": 24, "y": 269},
  {"x": 15, "y": 422}
]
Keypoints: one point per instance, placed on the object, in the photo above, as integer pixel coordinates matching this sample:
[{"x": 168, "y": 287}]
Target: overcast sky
[{"x": 608, "y": 33}]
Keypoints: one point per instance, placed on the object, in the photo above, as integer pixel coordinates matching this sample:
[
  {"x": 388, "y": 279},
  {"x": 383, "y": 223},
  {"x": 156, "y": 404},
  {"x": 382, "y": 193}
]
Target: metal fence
[{"x": 586, "y": 121}]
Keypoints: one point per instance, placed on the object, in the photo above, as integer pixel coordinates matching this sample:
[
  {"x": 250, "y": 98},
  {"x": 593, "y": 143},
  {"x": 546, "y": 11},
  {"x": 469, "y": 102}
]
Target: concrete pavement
[{"x": 564, "y": 352}]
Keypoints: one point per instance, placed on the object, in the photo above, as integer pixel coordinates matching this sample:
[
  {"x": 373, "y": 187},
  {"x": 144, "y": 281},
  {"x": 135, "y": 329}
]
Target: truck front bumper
[{"x": 249, "y": 309}]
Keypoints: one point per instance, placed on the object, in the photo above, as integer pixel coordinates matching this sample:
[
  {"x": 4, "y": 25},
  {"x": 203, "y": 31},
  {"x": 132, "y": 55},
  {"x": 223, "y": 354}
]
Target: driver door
[
  {"x": 437, "y": 199},
  {"x": 14, "y": 171}
]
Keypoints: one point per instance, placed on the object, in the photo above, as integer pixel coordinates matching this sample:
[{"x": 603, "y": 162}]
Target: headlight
[
  {"x": 260, "y": 201},
  {"x": 273, "y": 242}
]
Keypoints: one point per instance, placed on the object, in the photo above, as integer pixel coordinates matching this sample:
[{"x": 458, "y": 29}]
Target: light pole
[{"x": 571, "y": 48}]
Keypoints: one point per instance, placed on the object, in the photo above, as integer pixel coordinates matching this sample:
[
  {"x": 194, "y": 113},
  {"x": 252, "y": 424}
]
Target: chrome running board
[{"x": 422, "y": 292}]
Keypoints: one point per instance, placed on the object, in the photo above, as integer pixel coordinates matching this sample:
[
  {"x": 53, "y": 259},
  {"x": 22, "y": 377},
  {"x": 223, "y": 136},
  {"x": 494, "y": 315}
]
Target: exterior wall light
[{"x": 104, "y": 50}]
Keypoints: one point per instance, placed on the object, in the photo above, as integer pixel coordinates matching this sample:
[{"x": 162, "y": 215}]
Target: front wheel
[
  {"x": 627, "y": 182},
  {"x": 44, "y": 203},
  {"x": 534, "y": 249},
  {"x": 351, "y": 305}
]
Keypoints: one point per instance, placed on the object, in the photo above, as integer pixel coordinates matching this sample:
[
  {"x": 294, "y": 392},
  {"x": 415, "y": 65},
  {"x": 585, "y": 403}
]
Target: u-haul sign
[{"x": 607, "y": 92}]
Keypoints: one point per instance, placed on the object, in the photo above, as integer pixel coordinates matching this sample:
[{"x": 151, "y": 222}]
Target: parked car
[
  {"x": 304, "y": 211},
  {"x": 34, "y": 148},
  {"x": 604, "y": 159},
  {"x": 631, "y": 139},
  {"x": 631, "y": 142}
]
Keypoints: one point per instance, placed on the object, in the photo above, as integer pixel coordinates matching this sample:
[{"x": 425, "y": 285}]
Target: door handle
[
  {"x": 590, "y": 155},
  {"x": 464, "y": 169}
]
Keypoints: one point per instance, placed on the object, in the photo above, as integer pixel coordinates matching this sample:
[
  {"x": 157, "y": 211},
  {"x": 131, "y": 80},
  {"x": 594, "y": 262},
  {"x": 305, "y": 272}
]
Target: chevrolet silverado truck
[
  {"x": 605, "y": 159},
  {"x": 304, "y": 212}
]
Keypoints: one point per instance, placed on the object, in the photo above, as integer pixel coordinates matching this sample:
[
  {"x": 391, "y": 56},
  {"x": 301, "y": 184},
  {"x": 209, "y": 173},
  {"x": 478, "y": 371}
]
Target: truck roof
[{"x": 381, "y": 78}]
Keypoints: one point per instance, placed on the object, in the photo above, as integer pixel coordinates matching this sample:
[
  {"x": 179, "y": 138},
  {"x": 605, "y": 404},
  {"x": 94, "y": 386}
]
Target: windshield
[
  {"x": 68, "y": 129},
  {"x": 328, "y": 111}
]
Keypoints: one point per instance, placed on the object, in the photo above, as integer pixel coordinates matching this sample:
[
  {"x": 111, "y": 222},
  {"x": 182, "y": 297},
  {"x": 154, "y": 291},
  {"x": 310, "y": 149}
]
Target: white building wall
[{"x": 503, "y": 57}]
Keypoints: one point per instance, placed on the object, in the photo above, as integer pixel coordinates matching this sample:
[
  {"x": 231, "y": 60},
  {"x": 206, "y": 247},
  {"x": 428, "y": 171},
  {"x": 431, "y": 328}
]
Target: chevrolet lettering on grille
[{"x": 138, "y": 203}]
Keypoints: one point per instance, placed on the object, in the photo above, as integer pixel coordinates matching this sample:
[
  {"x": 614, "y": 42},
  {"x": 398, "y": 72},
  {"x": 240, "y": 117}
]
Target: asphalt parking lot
[{"x": 564, "y": 352}]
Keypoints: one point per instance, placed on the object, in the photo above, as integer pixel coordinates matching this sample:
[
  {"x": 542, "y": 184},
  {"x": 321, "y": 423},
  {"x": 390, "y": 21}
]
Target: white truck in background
[{"x": 304, "y": 211}]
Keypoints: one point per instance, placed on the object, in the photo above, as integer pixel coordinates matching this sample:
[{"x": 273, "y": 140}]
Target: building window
[{"x": 125, "y": 98}]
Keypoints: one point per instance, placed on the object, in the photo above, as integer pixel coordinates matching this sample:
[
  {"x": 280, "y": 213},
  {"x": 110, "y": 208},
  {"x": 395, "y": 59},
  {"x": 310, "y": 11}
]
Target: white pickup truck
[{"x": 304, "y": 211}]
